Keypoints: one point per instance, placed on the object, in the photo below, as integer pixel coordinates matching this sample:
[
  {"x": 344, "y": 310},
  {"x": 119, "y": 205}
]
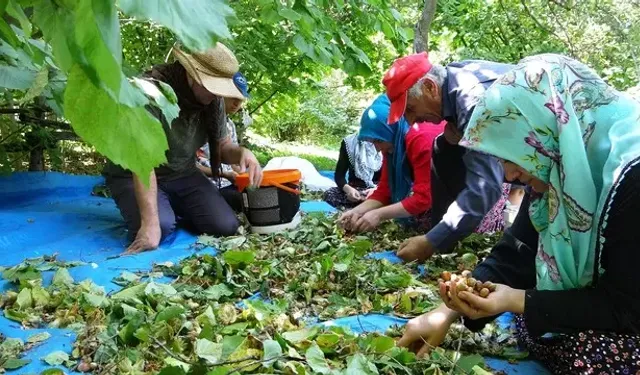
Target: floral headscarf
[{"x": 557, "y": 119}]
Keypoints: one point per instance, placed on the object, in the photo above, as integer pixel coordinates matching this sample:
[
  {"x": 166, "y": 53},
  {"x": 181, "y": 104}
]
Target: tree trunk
[
  {"x": 36, "y": 159},
  {"x": 421, "y": 30}
]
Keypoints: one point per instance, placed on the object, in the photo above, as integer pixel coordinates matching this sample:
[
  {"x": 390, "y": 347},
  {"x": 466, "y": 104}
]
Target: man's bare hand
[
  {"x": 249, "y": 163},
  {"x": 148, "y": 238}
]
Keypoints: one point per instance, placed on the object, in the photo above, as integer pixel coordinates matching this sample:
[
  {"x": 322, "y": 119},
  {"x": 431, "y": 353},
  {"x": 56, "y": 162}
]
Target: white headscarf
[{"x": 364, "y": 158}]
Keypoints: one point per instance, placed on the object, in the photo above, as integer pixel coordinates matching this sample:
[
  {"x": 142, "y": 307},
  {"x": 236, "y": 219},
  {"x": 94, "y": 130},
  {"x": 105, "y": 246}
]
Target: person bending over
[
  {"x": 404, "y": 191},
  {"x": 467, "y": 186},
  {"x": 568, "y": 264}
]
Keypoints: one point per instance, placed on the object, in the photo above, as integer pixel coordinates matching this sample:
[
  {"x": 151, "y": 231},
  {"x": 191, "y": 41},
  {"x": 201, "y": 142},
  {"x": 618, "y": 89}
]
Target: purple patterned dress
[{"x": 494, "y": 219}]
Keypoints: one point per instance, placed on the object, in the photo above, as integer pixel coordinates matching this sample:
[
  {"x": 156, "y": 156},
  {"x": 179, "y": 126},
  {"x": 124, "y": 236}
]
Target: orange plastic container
[{"x": 276, "y": 177}]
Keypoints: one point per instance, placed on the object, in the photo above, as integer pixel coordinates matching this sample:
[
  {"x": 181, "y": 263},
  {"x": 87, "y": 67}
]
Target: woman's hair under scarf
[
  {"x": 374, "y": 127},
  {"x": 364, "y": 158},
  {"x": 557, "y": 119}
]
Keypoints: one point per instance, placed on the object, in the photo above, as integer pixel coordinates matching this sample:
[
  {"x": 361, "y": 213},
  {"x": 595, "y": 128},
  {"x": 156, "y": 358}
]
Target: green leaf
[
  {"x": 158, "y": 289},
  {"x": 315, "y": 360},
  {"x": 388, "y": 30},
  {"x": 235, "y": 257},
  {"x": 360, "y": 365},
  {"x": 361, "y": 247},
  {"x": 95, "y": 300},
  {"x": 62, "y": 277},
  {"x": 394, "y": 280},
  {"x": 271, "y": 350},
  {"x": 289, "y": 14},
  {"x": 40, "y": 296},
  {"x": 341, "y": 267},
  {"x": 7, "y": 33},
  {"x": 209, "y": 351},
  {"x": 301, "y": 44},
  {"x": 130, "y": 294},
  {"x": 56, "y": 358},
  {"x": 39, "y": 337},
  {"x": 469, "y": 260},
  {"x": 207, "y": 317},
  {"x": 217, "y": 291},
  {"x": 328, "y": 340},
  {"x": 36, "y": 89},
  {"x": 396, "y": 15},
  {"x": 382, "y": 344},
  {"x": 163, "y": 97},
  {"x": 230, "y": 344},
  {"x": 14, "y": 363},
  {"x": 24, "y": 300},
  {"x": 15, "y": 10},
  {"x": 130, "y": 137},
  {"x": 224, "y": 370},
  {"x": 128, "y": 332},
  {"x": 52, "y": 371},
  {"x": 177, "y": 363},
  {"x": 298, "y": 336},
  {"x": 143, "y": 334},
  {"x": 15, "y": 315},
  {"x": 232, "y": 329},
  {"x": 169, "y": 313},
  {"x": 172, "y": 370},
  {"x": 16, "y": 78},
  {"x": 127, "y": 278},
  {"x": 11, "y": 347},
  {"x": 477, "y": 370},
  {"x": 196, "y": 23},
  {"x": 21, "y": 273},
  {"x": 84, "y": 34},
  {"x": 98, "y": 36},
  {"x": 467, "y": 362}
]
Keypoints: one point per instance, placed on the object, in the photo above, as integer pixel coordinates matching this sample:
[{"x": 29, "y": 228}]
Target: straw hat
[{"x": 214, "y": 69}]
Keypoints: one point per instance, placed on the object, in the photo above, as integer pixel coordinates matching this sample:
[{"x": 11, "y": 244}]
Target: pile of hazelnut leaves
[{"x": 204, "y": 322}]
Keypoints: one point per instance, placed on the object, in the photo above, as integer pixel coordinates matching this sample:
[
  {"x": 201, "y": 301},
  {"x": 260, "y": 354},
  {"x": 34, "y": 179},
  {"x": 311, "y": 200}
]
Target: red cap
[{"x": 403, "y": 74}]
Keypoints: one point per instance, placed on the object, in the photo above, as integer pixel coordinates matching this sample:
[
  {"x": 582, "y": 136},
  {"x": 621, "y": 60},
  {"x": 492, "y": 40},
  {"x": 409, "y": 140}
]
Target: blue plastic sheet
[{"x": 47, "y": 213}]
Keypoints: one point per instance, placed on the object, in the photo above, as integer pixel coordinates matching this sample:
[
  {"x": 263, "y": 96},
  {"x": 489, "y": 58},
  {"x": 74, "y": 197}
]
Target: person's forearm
[
  {"x": 346, "y": 188},
  {"x": 230, "y": 153},
  {"x": 368, "y": 205},
  {"x": 147, "y": 199},
  {"x": 392, "y": 211},
  {"x": 516, "y": 301},
  {"x": 449, "y": 315}
]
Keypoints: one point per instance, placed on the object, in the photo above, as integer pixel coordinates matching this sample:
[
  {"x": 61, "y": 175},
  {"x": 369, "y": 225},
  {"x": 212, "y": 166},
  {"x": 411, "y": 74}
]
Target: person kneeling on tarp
[
  {"x": 364, "y": 163},
  {"x": 178, "y": 188},
  {"x": 404, "y": 191},
  {"x": 568, "y": 264}
]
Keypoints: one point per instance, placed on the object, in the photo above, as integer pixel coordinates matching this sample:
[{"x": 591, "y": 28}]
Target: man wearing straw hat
[{"x": 178, "y": 189}]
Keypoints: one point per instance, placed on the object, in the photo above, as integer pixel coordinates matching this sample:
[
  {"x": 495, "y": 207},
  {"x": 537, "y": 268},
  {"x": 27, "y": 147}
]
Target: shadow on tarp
[{"x": 47, "y": 213}]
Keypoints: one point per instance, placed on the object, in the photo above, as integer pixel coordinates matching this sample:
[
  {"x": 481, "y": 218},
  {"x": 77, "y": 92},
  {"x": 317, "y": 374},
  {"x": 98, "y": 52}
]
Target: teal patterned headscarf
[{"x": 557, "y": 119}]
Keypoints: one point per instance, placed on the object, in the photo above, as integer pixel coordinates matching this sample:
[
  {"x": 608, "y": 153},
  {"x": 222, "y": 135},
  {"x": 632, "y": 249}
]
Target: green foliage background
[{"x": 312, "y": 65}]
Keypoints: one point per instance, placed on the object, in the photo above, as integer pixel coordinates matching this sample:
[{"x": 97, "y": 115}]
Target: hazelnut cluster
[{"x": 466, "y": 283}]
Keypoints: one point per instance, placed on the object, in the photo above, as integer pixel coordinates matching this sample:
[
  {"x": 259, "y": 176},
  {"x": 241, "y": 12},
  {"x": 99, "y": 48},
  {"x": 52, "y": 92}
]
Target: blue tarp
[{"x": 47, "y": 213}]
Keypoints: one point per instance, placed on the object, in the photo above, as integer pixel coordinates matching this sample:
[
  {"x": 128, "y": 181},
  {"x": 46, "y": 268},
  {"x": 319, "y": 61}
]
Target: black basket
[{"x": 270, "y": 205}]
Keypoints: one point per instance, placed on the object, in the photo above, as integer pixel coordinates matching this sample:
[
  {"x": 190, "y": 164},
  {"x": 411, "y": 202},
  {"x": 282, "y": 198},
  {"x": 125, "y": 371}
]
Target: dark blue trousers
[{"x": 193, "y": 199}]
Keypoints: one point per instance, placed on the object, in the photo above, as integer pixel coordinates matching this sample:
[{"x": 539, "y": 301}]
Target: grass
[
  {"x": 78, "y": 158},
  {"x": 264, "y": 154}
]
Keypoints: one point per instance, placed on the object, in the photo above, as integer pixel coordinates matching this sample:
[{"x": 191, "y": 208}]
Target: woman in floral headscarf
[{"x": 569, "y": 263}]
